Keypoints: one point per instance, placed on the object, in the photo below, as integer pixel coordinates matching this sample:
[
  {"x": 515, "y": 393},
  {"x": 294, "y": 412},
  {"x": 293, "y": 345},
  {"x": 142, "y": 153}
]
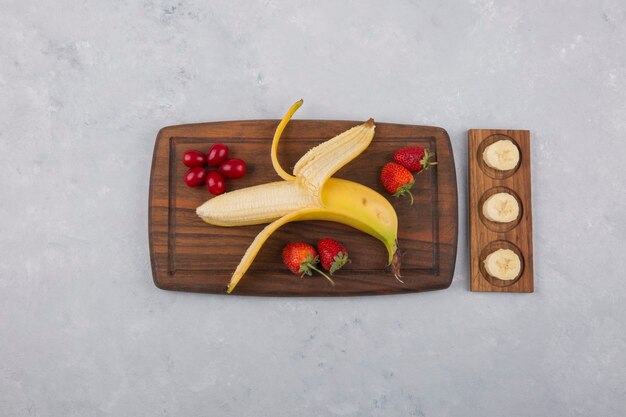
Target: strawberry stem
[{"x": 322, "y": 273}]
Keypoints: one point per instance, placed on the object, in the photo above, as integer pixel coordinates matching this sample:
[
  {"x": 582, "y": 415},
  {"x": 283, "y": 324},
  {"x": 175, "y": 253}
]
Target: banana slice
[
  {"x": 502, "y": 155},
  {"x": 501, "y": 208},
  {"x": 503, "y": 264}
]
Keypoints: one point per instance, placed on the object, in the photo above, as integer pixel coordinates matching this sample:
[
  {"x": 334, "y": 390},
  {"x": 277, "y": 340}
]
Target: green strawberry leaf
[
  {"x": 339, "y": 261},
  {"x": 308, "y": 266},
  {"x": 427, "y": 160},
  {"x": 404, "y": 190}
]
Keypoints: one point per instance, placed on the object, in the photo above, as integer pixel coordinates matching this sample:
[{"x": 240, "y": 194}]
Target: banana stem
[{"x": 396, "y": 263}]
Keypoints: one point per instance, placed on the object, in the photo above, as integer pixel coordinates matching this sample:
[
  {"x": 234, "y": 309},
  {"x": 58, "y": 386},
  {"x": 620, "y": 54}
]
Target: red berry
[
  {"x": 193, "y": 158},
  {"x": 397, "y": 180},
  {"x": 195, "y": 176},
  {"x": 215, "y": 183},
  {"x": 414, "y": 158},
  {"x": 218, "y": 153},
  {"x": 233, "y": 168},
  {"x": 296, "y": 255},
  {"x": 333, "y": 255}
]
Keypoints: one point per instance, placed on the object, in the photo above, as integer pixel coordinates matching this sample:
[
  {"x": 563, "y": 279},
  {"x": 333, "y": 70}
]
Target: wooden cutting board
[{"x": 187, "y": 254}]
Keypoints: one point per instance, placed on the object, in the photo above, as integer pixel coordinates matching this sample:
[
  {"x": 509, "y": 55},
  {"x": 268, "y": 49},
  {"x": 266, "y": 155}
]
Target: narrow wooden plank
[
  {"x": 189, "y": 255},
  {"x": 486, "y": 236}
]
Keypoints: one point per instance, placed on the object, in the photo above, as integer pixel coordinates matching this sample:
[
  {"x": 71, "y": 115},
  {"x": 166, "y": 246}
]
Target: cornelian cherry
[
  {"x": 215, "y": 183},
  {"x": 193, "y": 158},
  {"x": 195, "y": 176},
  {"x": 233, "y": 168},
  {"x": 218, "y": 153}
]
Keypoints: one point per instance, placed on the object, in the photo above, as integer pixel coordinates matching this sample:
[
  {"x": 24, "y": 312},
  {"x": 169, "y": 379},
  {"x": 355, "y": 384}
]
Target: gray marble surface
[{"x": 84, "y": 87}]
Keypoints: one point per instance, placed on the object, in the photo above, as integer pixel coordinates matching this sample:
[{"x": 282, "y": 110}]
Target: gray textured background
[{"x": 84, "y": 87}]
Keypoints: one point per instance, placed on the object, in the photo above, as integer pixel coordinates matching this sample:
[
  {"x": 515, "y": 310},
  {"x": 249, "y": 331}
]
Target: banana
[
  {"x": 502, "y": 155},
  {"x": 503, "y": 264},
  {"x": 501, "y": 208},
  {"x": 310, "y": 194}
]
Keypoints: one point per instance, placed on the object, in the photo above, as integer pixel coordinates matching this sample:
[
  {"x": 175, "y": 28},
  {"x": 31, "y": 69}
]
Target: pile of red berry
[{"x": 217, "y": 158}]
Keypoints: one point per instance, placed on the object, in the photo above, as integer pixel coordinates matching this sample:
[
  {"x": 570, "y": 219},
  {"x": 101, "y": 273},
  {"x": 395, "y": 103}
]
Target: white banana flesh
[
  {"x": 501, "y": 208},
  {"x": 257, "y": 204},
  {"x": 309, "y": 195},
  {"x": 322, "y": 161},
  {"x": 503, "y": 264},
  {"x": 502, "y": 155}
]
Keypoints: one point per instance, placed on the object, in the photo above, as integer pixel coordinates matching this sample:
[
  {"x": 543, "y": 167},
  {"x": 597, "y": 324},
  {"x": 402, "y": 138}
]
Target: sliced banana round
[
  {"x": 503, "y": 264},
  {"x": 502, "y": 155},
  {"x": 501, "y": 208}
]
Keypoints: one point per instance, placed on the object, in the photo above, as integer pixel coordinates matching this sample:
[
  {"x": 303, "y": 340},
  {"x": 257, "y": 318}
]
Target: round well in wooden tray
[
  {"x": 496, "y": 226},
  {"x": 492, "y": 247},
  {"x": 495, "y": 173}
]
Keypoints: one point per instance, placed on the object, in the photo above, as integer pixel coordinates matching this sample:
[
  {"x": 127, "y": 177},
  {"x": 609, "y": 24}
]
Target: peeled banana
[
  {"x": 503, "y": 264},
  {"x": 502, "y": 155},
  {"x": 501, "y": 208},
  {"x": 310, "y": 194}
]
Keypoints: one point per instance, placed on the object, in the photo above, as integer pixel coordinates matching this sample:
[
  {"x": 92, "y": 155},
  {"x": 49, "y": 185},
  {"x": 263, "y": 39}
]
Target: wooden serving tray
[
  {"x": 487, "y": 236},
  {"x": 188, "y": 254}
]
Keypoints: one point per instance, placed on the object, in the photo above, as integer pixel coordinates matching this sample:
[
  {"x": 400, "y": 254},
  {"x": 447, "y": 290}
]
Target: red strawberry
[
  {"x": 414, "y": 158},
  {"x": 301, "y": 258},
  {"x": 333, "y": 255},
  {"x": 397, "y": 180}
]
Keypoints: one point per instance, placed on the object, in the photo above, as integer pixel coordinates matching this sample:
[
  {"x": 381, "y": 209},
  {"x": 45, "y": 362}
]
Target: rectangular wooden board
[
  {"x": 486, "y": 236},
  {"x": 189, "y": 255}
]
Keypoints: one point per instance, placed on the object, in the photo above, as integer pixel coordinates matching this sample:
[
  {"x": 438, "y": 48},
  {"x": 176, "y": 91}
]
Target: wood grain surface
[
  {"x": 487, "y": 236},
  {"x": 187, "y": 254}
]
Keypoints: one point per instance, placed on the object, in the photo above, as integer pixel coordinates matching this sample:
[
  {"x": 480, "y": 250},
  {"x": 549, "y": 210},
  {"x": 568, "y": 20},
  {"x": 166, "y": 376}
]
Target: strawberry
[
  {"x": 301, "y": 258},
  {"x": 333, "y": 255},
  {"x": 414, "y": 158},
  {"x": 397, "y": 180}
]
